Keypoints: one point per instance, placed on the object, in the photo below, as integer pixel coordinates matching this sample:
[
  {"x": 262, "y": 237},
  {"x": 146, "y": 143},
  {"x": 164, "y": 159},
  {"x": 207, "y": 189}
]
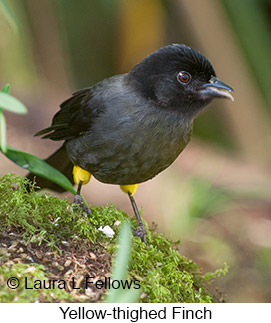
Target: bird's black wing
[{"x": 74, "y": 117}]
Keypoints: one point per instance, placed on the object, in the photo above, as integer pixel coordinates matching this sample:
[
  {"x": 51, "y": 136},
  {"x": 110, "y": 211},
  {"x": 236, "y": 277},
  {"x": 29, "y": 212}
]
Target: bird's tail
[{"x": 61, "y": 162}]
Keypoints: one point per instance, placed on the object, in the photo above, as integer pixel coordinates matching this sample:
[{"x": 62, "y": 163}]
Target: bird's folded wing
[{"x": 73, "y": 119}]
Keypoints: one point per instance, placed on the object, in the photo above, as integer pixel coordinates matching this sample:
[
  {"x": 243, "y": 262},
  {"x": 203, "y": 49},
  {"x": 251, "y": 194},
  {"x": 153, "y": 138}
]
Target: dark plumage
[{"x": 128, "y": 128}]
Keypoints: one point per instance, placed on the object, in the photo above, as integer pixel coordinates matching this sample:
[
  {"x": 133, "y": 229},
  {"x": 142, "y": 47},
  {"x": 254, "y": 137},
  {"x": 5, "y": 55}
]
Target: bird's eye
[{"x": 184, "y": 77}]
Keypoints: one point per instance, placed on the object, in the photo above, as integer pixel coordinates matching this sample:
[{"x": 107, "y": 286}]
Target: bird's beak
[{"x": 216, "y": 89}]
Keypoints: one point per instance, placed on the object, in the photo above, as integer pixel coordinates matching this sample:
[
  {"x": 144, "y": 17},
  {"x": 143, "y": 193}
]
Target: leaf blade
[
  {"x": 120, "y": 269},
  {"x": 3, "y": 144},
  {"x": 39, "y": 167},
  {"x": 6, "y": 88},
  {"x": 9, "y": 103}
]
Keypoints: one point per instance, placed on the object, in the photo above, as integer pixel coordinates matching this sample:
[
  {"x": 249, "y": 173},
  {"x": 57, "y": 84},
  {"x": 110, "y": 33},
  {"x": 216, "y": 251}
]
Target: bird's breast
[{"x": 131, "y": 146}]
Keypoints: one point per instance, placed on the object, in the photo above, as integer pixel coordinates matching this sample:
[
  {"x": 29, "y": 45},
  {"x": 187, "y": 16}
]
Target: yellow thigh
[
  {"x": 129, "y": 188},
  {"x": 80, "y": 175}
]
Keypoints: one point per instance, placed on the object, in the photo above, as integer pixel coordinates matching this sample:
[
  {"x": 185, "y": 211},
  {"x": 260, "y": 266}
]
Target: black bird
[{"x": 128, "y": 128}]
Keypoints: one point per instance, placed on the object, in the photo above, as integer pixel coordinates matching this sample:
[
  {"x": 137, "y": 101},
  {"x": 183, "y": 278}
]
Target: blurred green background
[{"x": 216, "y": 196}]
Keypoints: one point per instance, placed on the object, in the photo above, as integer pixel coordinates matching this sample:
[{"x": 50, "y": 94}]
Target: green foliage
[
  {"x": 46, "y": 218},
  {"x": 219, "y": 272},
  {"x": 120, "y": 268},
  {"x": 123, "y": 255},
  {"x": 23, "y": 295},
  {"x": 6, "y": 88},
  {"x": 39, "y": 167},
  {"x": 164, "y": 275},
  {"x": 3, "y": 145},
  {"x": 7, "y": 102},
  {"x": 27, "y": 161}
]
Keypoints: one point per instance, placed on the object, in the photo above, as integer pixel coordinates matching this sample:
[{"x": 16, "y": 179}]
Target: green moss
[
  {"x": 21, "y": 294},
  {"x": 165, "y": 275},
  {"x": 48, "y": 218}
]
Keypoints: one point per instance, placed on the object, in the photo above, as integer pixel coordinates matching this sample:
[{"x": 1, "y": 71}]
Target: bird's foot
[
  {"x": 78, "y": 201},
  {"x": 141, "y": 233}
]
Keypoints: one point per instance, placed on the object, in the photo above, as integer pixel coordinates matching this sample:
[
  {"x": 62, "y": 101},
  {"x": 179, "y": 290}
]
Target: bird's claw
[
  {"x": 78, "y": 201},
  {"x": 141, "y": 233}
]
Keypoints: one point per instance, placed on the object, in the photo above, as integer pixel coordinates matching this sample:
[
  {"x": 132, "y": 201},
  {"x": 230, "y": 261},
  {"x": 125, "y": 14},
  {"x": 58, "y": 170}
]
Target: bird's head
[{"x": 179, "y": 77}]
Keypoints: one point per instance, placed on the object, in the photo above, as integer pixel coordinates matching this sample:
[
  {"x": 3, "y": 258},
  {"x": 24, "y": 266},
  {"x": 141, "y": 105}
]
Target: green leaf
[
  {"x": 132, "y": 296},
  {"x": 39, "y": 167},
  {"x": 8, "y": 102},
  {"x": 6, "y": 88},
  {"x": 120, "y": 268},
  {"x": 3, "y": 144},
  {"x": 125, "y": 296}
]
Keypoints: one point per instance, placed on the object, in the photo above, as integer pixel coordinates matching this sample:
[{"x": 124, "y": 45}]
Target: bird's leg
[
  {"x": 79, "y": 188},
  {"x": 81, "y": 177},
  {"x": 140, "y": 231},
  {"x": 79, "y": 201}
]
